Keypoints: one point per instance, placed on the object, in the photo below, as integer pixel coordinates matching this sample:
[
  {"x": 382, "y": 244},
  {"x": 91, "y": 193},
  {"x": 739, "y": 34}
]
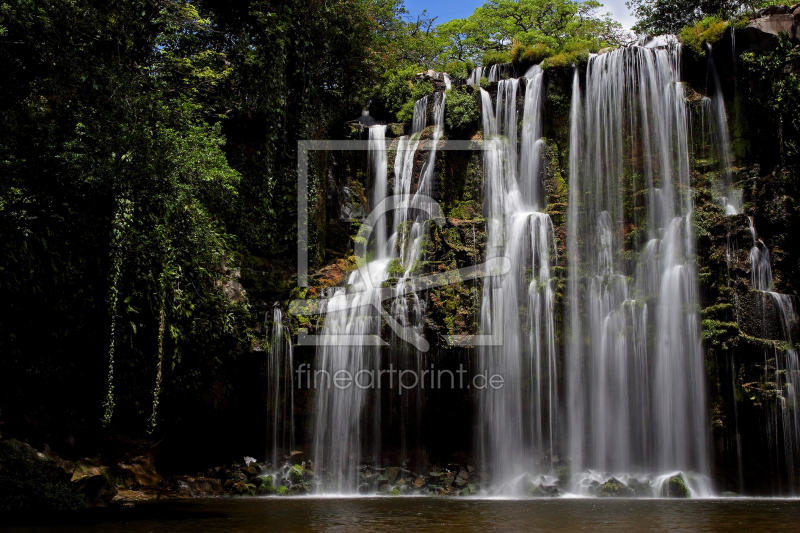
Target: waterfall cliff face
[
  {"x": 602, "y": 372},
  {"x": 636, "y": 383}
]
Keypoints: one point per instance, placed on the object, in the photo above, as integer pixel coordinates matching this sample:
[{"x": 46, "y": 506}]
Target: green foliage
[
  {"x": 657, "y": 17},
  {"x": 707, "y": 31},
  {"x": 495, "y": 57},
  {"x": 533, "y": 27},
  {"x": 459, "y": 70},
  {"x": 148, "y": 148},
  {"x": 27, "y": 484},
  {"x": 776, "y": 93},
  {"x": 521, "y": 53},
  {"x": 462, "y": 109}
]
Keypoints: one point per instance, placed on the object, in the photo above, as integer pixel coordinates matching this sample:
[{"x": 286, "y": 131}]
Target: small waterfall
[
  {"x": 348, "y": 423},
  {"x": 786, "y": 373},
  {"x": 475, "y": 76},
  {"x": 517, "y": 424},
  {"x": 420, "y": 119},
  {"x": 730, "y": 197},
  {"x": 760, "y": 269},
  {"x": 636, "y": 384},
  {"x": 341, "y": 430},
  {"x": 280, "y": 389}
]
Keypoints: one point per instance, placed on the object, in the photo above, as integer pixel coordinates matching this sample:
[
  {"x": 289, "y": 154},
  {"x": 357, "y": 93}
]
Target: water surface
[{"x": 389, "y": 515}]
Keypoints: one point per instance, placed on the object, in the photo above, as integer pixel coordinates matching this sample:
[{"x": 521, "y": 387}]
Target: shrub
[
  {"x": 459, "y": 69},
  {"x": 535, "y": 54},
  {"x": 707, "y": 31},
  {"x": 27, "y": 484},
  {"x": 566, "y": 59},
  {"x": 496, "y": 57},
  {"x": 418, "y": 89},
  {"x": 462, "y": 109}
]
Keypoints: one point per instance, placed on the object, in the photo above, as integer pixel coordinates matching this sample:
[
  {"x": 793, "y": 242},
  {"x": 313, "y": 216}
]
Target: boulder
[
  {"x": 641, "y": 489},
  {"x": 96, "y": 487},
  {"x": 296, "y": 458},
  {"x": 614, "y": 488},
  {"x": 296, "y": 474},
  {"x": 195, "y": 487},
  {"x": 776, "y": 20},
  {"x": 675, "y": 488},
  {"x": 391, "y": 474}
]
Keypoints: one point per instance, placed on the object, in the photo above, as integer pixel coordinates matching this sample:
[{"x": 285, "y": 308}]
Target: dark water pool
[{"x": 387, "y": 515}]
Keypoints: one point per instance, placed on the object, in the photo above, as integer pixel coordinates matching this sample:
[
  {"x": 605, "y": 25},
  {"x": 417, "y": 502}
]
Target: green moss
[
  {"x": 707, "y": 31},
  {"x": 296, "y": 474},
  {"x": 613, "y": 488},
  {"x": 676, "y": 488},
  {"x": 564, "y": 475}
]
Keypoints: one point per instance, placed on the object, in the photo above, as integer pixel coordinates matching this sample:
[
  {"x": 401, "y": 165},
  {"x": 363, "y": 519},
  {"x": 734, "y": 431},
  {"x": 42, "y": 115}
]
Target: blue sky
[{"x": 456, "y": 9}]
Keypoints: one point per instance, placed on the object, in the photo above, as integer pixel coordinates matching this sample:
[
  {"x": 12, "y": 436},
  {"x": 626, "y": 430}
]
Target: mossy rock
[
  {"x": 614, "y": 488},
  {"x": 564, "y": 475},
  {"x": 283, "y": 491},
  {"x": 641, "y": 489},
  {"x": 296, "y": 474},
  {"x": 676, "y": 488},
  {"x": 264, "y": 485}
]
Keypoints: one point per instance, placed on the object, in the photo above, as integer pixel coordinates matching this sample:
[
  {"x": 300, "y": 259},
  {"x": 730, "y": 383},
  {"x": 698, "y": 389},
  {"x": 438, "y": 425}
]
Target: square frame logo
[{"x": 494, "y": 266}]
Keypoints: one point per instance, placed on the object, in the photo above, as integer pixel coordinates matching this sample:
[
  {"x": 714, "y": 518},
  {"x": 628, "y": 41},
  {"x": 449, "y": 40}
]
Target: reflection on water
[{"x": 426, "y": 514}]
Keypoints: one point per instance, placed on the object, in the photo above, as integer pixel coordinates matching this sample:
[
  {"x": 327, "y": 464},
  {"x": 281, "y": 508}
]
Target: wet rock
[
  {"x": 199, "y": 486},
  {"x": 419, "y": 482},
  {"x": 296, "y": 458},
  {"x": 614, "y": 488},
  {"x": 385, "y": 488},
  {"x": 676, "y": 488},
  {"x": 97, "y": 488},
  {"x": 264, "y": 485},
  {"x": 392, "y": 473},
  {"x": 564, "y": 475},
  {"x": 244, "y": 489},
  {"x": 296, "y": 474},
  {"x": 641, "y": 489}
]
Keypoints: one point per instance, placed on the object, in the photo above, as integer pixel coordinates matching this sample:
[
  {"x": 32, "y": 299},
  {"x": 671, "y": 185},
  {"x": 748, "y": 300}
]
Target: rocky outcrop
[{"x": 769, "y": 22}]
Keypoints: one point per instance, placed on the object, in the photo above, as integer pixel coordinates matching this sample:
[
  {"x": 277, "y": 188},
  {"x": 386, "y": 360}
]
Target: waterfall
[
  {"x": 786, "y": 367},
  {"x": 636, "y": 383},
  {"x": 280, "y": 389},
  {"x": 348, "y": 423},
  {"x": 730, "y": 198},
  {"x": 340, "y": 428},
  {"x": 516, "y": 428},
  {"x": 420, "y": 119},
  {"x": 475, "y": 76}
]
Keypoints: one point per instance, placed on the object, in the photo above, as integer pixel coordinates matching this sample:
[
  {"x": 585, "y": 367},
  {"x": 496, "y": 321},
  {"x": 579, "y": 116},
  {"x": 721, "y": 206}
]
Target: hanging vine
[{"x": 122, "y": 220}]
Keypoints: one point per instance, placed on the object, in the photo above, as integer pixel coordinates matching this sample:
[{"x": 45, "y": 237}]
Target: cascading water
[
  {"x": 341, "y": 429},
  {"x": 785, "y": 372},
  {"x": 420, "y": 119},
  {"x": 637, "y": 400},
  {"x": 517, "y": 423},
  {"x": 730, "y": 197},
  {"x": 348, "y": 420},
  {"x": 280, "y": 390}
]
